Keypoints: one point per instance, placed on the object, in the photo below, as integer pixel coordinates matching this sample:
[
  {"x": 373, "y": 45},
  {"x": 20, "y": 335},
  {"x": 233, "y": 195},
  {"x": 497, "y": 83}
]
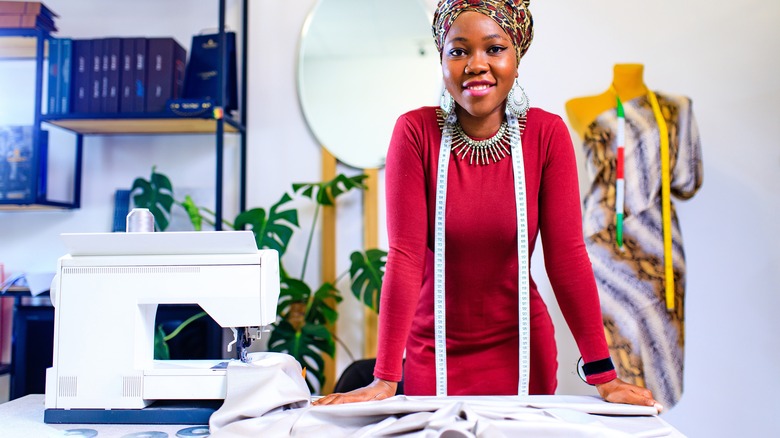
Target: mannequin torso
[
  {"x": 626, "y": 82},
  {"x": 637, "y": 159}
]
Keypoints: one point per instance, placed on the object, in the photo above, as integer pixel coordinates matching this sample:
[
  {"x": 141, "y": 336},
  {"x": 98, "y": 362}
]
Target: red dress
[{"x": 481, "y": 258}]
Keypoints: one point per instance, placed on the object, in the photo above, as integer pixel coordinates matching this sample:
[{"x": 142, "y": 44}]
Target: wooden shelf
[
  {"x": 20, "y": 47},
  {"x": 99, "y": 125},
  {"x": 33, "y": 207}
]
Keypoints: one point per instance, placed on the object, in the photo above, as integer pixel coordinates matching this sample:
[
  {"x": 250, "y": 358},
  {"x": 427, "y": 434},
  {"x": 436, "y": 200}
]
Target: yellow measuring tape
[{"x": 666, "y": 200}]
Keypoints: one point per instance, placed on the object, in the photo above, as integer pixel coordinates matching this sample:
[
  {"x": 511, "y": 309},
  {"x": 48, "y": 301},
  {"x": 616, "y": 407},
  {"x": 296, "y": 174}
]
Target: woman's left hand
[{"x": 618, "y": 391}]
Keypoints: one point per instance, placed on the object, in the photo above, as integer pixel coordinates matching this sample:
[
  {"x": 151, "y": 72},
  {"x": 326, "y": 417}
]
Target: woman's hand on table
[
  {"x": 376, "y": 390},
  {"x": 618, "y": 391},
  {"x": 615, "y": 391}
]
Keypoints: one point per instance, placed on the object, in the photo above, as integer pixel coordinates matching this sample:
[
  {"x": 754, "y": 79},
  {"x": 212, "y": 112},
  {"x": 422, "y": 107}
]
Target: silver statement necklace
[{"x": 481, "y": 152}]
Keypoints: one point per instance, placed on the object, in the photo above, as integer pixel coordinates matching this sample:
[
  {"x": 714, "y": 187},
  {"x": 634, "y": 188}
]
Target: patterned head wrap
[{"x": 512, "y": 15}]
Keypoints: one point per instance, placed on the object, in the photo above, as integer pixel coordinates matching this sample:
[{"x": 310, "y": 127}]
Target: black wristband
[{"x": 597, "y": 367}]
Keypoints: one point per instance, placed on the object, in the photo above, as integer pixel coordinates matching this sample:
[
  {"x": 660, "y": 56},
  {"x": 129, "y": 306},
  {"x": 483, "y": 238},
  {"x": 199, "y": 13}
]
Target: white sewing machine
[{"x": 106, "y": 292}]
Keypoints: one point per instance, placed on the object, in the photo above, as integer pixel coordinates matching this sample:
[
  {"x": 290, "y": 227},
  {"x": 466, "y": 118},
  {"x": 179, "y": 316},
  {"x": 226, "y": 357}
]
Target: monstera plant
[{"x": 304, "y": 314}]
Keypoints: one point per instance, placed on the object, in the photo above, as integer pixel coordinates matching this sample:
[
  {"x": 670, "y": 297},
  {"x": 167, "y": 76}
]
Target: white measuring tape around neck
[{"x": 524, "y": 288}]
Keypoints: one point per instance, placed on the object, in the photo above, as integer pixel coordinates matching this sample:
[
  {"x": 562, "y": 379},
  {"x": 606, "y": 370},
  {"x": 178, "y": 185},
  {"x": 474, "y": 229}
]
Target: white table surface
[{"x": 23, "y": 418}]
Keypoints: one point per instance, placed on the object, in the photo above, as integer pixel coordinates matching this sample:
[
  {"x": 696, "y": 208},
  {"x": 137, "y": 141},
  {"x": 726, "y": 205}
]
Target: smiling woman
[
  {"x": 467, "y": 315},
  {"x": 361, "y": 64}
]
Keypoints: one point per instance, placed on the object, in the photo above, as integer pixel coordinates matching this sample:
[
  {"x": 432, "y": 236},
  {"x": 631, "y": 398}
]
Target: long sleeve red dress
[{"x": 481, "y": 279}]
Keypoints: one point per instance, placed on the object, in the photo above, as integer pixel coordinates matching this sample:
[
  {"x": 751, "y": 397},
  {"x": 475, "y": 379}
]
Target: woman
[{"x": 450, "y": 179}]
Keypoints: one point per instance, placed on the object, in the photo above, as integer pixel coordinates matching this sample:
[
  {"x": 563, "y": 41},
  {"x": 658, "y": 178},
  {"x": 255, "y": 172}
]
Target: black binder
[
  {"x": 164, "y": 72},
  {"x": 139, "y": 58},
  {"x": 96, "y": 76},
  {"x": 200, "y": 80},
  {"x": 112, "y": 50},
  {"x": 80, "y": 84}
]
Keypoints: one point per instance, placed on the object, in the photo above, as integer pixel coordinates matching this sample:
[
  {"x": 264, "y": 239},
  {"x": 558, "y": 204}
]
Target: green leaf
[
  {"x": 183, "y": 325},
  {"x": 156, "y": 194},
  {"x": 367, "y": 272},
  {"x": 325, "y": 193},
  {"x": 193, "y": 211},
  {"x": 272, "y": 230},
  {"x": 161, "y": 351},
  {"x": 307, "y": 347},
  {"x": 291, "y": 291},
  {"x": 323, "y": 305},
  {"x": 312, "y": 339}
]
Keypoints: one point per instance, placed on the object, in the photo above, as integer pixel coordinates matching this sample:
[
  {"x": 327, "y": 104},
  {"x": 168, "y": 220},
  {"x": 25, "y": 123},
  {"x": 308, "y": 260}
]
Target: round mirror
[{"x": 363, "y": 63}]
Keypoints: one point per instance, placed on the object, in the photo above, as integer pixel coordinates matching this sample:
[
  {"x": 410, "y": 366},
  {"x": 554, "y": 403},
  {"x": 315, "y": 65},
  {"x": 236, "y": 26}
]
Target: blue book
[
  {"x": 17, "y": 177},
  {"x": 5, "y": 168},
  {"x": 55, "y": 71},
  {"x": 64, "y": 86},
  {"x": 121, "y": 208},
  {"x": 42, "y": 154}
]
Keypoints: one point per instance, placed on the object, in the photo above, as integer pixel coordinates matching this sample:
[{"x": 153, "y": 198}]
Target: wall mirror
[{"x": 363, "y": 63}]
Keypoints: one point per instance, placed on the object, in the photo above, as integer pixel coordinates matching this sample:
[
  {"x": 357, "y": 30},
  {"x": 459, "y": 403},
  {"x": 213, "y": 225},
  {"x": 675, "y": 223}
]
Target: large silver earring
[
  {"x": 517, "y": 101},
  {"x": 447, "y": 102}
]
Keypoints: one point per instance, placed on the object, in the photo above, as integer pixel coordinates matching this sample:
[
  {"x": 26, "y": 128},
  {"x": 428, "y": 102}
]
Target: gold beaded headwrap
[{"x": 512, "y": 15}]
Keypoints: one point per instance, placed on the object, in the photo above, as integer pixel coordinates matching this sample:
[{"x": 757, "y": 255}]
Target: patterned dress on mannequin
[{"x": 646, "y": 340}]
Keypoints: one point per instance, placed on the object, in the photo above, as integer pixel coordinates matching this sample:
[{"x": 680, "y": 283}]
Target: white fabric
[{"x": 269, "y": 397}]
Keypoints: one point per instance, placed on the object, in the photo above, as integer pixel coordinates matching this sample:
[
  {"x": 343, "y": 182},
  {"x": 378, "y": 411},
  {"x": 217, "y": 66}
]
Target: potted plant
[{"x": 304, "y": 314}]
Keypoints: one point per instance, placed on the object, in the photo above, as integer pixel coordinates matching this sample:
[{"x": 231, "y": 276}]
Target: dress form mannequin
[
  {"x": 646, "y": 337},
  {"x": 626, "y": 81}
]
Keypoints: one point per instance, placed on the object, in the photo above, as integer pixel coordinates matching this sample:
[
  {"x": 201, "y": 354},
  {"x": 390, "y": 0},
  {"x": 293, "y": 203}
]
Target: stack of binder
[{"x": 114, "y": 75}]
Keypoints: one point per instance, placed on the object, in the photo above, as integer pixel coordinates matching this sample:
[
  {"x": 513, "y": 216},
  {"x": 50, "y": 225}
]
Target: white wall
[{"x": 724, "y": 57}]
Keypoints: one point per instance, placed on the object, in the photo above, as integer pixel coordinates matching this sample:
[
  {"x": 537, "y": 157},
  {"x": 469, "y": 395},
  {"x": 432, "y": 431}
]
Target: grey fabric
[
  {"x": 270, "y": 382},
  {"x": 269, "y": 398},
  {"x": 445, "y": 419}
]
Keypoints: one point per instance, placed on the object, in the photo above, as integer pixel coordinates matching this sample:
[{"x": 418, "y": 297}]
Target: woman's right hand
[{"x": 377, "y": 390}]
